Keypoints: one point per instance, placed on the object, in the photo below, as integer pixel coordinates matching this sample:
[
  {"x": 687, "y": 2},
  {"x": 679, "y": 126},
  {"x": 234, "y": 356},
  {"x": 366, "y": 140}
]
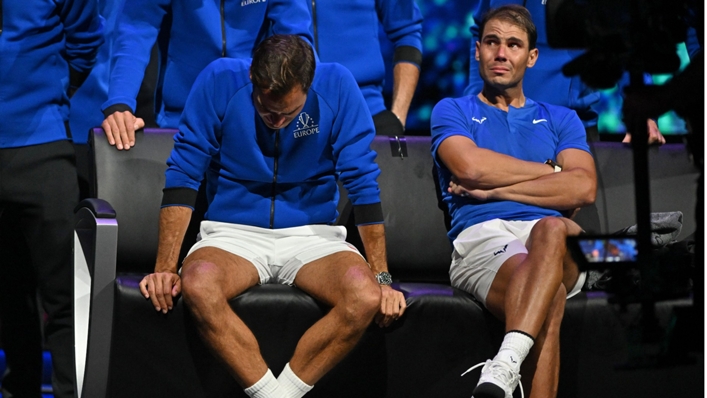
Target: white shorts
[
  {"x": 277, "y": 254},
  {"x": 480, "y": 250}
]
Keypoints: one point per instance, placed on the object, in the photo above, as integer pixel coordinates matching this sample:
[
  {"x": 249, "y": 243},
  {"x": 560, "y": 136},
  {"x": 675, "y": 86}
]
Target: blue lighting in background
[{"x": 445, "y": 68}]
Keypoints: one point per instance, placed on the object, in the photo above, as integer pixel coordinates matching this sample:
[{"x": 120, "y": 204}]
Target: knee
[
  {"x": 199, "y": 284},
  {"x": 552, "y": 227},
  {"x": 361, "y": 296}
]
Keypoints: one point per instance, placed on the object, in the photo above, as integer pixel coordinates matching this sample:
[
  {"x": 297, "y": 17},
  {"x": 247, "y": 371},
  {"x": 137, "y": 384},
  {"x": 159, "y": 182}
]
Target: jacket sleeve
[
  {"x": 83, "y": 29},
  {"x": 402, "y": 23},
  {"x": 352, "y": 135},
  {"x": 288, "y": 17},
  {"x": 198, "y": 139},
  {"x": 137, "y": 30}
]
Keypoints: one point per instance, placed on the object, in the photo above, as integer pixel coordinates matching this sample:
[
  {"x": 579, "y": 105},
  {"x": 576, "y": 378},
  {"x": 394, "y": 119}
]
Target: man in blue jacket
[
  {"x": 47, "y": 48},
  {"x": 508, "y": 166},
  {"x": 346, "y": 32},
  {"x": 272, "y": 137},
  {"x": 190, "y": 34}
]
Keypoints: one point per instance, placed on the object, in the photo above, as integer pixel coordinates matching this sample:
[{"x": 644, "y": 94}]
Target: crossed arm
[{"x": 483, "y": 175}]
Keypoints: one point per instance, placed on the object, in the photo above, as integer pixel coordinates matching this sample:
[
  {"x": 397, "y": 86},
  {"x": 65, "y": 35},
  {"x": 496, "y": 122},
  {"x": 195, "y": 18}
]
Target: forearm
[
  {"x": 479, "y": 168},
  {"x": 405, "y": 77},
  {"x": 490, "y": 169},
  {"x": 373, "y": 238},
  {"x": 560, "y": 191},
  {"x": 174, "y": 221}
]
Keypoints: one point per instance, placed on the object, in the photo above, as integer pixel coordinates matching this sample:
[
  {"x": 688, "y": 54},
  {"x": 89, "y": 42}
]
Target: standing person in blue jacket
[
  {"x": 87, "y": 100},
  {"x": 545, "y": 81},
  {"x": 346, "y": 32},
  {"x": 272, "y": 137},
  {"x": 47, "y": 48},
  {"x": 508, "y": 167},
  {"x": 190, "y": 34}
]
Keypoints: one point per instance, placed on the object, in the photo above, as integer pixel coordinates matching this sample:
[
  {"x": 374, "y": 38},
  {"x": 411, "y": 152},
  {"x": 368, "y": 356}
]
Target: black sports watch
[
  {"x": 554, "y": 165},
  {"x": 384, "y": 278}
]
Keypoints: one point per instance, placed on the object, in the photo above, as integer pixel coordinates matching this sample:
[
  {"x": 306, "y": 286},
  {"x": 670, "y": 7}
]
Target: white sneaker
[{"x": 498, "y": 380}]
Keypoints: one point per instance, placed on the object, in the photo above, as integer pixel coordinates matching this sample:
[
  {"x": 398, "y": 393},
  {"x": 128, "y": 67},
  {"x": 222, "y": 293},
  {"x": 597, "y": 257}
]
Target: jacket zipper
[
  {"x": 223, "y": 28},
  {"x": 314, "y": 25},
  {"x": 274, "y": 180}
]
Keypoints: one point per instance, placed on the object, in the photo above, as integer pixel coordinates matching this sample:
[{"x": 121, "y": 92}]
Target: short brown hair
[
  {"x": 516, "y": 15},
  {"x": 281, "y": 63}
]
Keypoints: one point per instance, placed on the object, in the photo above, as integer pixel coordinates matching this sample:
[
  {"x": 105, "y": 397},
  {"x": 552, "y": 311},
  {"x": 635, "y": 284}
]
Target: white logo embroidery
[
  {"x": 305, "y": 126},
  {"x": 536, "y": 121},
  {"x": 249, "y": 2},
  {"x": 477, "y": 120}
]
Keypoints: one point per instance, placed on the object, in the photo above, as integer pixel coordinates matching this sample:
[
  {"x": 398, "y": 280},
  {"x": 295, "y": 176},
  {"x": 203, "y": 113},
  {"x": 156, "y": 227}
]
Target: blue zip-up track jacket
[
  {"x": 41, "y": 41},
  {"x": 275, "y": 178},
  {"x": 191, "y": 34}
]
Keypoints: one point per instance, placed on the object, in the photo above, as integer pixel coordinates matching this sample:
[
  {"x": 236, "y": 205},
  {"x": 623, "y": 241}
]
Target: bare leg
[
  {"x": 343, "y": 281},
  {"x": 526, "y": 295},
  {"x": 210, "y": 277},
  {"x": 545, "y": 354}
]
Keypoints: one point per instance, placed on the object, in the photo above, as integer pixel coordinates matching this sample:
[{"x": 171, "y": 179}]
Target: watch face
[{"x": 384, "y": 278}]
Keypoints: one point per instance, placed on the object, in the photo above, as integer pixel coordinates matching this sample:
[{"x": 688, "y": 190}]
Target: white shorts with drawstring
[
  {"x": 277, "y": 254},
  {"x": 481, "y": 250}
]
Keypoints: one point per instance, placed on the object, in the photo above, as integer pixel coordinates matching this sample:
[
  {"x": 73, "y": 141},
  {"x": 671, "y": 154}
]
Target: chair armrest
[
  {"x": 99, "y": 207},
  {"x": 95, "y": 253}
]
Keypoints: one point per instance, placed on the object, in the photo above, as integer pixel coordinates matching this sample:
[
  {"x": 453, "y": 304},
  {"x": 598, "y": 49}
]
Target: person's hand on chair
[{"x": 161, "y": 288}]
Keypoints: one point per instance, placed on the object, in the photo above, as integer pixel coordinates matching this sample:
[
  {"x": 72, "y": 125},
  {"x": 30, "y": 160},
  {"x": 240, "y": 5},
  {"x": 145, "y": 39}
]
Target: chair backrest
[
  {"x": 132, "y": 181},
  {"x": 417, "y": 244}
]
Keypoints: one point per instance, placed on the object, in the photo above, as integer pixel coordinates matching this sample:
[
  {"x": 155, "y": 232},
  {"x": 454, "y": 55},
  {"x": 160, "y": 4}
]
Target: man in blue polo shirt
[
  {"x": 273, "y": 136},
  {"x": 508, "y": 168}
]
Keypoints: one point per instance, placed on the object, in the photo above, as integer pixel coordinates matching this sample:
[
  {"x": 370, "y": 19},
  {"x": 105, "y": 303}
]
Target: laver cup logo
[
  {"x": 305, "y": 126},
  {"x": 249, "y": 2}
]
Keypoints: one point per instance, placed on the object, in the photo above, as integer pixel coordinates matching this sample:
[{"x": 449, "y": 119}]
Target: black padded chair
[
  {"x": 135, "y": 352},
  {"x": 132, "y": 350}
]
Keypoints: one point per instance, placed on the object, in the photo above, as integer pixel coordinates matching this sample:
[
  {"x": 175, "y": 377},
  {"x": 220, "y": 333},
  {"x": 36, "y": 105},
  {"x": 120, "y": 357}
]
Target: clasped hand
[
  {"x": 161, "y": 288},
  {"x": 455, "y": 188}
]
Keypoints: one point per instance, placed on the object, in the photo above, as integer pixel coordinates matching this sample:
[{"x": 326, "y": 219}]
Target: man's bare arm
[
  {"x": 164, "y": 284},
  {"x": 479, "y": 168},
  {"x": 573, "y": 187},
  {"x": 392, "y": 301},
  {"x": 373, "y": 238},
  {"x": 405, "y": 77}
]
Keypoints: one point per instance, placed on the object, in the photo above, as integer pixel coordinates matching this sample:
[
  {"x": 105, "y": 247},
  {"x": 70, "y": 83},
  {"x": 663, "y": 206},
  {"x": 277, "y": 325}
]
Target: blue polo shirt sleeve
[
  {"x": 570, "y": 131},
  {"x": 448, "y": 119}
]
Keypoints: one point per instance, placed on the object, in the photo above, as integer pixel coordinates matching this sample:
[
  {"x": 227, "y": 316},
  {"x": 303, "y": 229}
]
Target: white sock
[
  {"x": 515, "y": 347},
  {"x": 266, "y": 387},
  {"x": 292, "y": 385}
]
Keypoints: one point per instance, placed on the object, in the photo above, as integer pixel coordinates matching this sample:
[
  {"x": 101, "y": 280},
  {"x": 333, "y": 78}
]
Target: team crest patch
[
  {"x": 305, "y": 126},
  {"x": 249, "y": 2}
]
